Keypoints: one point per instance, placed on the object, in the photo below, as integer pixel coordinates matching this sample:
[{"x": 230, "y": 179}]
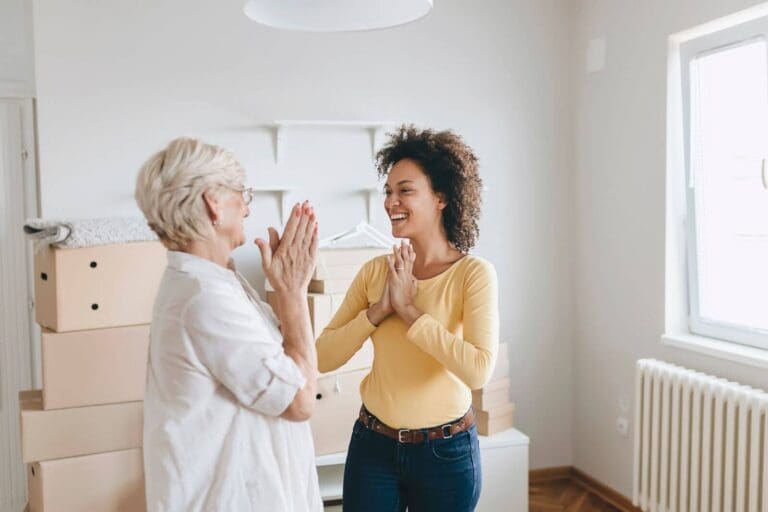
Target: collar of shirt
[{"x": 191, "y": 264}]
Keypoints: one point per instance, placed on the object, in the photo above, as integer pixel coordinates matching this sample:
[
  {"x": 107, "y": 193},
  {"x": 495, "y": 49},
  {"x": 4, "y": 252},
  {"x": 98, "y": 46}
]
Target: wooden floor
[{"x": 566, "y": 496}]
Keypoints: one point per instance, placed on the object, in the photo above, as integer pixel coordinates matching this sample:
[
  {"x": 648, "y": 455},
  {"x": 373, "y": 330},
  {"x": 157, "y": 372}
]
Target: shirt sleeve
[
  {"x": 233, "y": 341},
  {"x": 349, "y": 328},
  {"x": 470, "y": 357}
]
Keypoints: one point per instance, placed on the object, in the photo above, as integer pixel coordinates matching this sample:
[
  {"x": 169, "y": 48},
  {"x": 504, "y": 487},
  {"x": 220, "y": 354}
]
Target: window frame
[{"x": 708, "y": 44}]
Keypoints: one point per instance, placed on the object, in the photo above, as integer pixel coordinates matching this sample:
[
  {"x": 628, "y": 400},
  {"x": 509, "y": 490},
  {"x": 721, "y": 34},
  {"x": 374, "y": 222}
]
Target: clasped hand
[{"x": 399, "y": 289}]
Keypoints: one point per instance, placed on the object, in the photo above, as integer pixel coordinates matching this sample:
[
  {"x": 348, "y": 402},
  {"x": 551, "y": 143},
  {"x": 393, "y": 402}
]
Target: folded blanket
[{"x": 73, "y": 233}]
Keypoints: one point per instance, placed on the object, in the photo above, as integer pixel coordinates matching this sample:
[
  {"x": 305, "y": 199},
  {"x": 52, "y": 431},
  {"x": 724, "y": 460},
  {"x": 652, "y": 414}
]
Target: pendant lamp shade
[{"x": 335, "y": 15}]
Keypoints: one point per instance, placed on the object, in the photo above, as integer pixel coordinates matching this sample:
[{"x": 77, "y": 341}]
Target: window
[{"x": 725, "y": 133}]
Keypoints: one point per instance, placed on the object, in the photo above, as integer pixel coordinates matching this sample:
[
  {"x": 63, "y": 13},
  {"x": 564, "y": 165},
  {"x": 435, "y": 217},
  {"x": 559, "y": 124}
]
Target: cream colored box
[
  {"x": 337, "y": 299},
  {"x": 100, "y": 366},
  {"x": 323, "y": 271},
  {"x": 97, "y": 287},
  {"x": 330, "y": 286},
  {"x": 495, "y": 420},
  {"x": 492, "y": 396},
  {"x": 348, "y": 255},
  {"x": 337, "y": 408},
  {"x": 319, "y": 311},
  {"x": 502, "y": 363},
  {"x": 105, "y": 482},
  {"x": 59, "y": 433}
]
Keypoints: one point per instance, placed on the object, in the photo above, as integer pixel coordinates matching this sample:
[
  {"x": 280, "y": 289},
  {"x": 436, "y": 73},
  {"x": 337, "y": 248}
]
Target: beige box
[
  {"x": 337, "y": 408},
  {"x": 490, "y": 397},
  {"x": 319, "y": 309},
  {"x": 502, "y": 363},
  {"x": 94, "y": 367},
  {"x": 323, "y": 271},
  {"x": 60, "y": 433},
  {"x": 495, "y": 420},
  {"x": 348, "y": 256},
  {"x": 105, "y": 482},
  {"x": 337, "y": 299},
  {"x": 97, "y": 287},
  {"x": 330, "y": 286}
]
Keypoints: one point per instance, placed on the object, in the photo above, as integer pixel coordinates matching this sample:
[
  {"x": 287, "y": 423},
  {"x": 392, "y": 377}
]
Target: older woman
[{"x": 228, "y": 387}]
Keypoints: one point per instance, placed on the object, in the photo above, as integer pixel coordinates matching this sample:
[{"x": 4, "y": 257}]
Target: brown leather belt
[{"x": 415, "y": 436}]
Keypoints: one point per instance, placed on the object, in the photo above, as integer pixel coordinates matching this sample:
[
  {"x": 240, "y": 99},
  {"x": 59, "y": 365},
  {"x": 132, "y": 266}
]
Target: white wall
[
  {"x": 619, "y": 218},
  {"x": 117, "y": 80},
  {"x": 17, "y": 77}
]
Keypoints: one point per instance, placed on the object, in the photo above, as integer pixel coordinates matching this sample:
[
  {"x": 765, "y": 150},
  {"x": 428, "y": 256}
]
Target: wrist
[
  {"x": 409, "y": 313},
  {"x": 377, "y": 314},
  {"x": 290, "y": 294}
]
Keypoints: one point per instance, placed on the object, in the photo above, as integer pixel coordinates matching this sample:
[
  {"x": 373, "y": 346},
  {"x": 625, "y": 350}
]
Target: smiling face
[{"x": 412, "y": 205}]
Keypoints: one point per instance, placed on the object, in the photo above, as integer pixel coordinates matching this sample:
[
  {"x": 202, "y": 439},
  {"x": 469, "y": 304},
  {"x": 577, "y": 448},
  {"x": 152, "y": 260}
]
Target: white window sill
[{"x": 743, "y": 354}]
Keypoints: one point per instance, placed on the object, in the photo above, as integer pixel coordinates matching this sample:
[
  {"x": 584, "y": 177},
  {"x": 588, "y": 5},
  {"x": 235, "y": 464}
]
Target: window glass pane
[{"x": 729, "y": 139}]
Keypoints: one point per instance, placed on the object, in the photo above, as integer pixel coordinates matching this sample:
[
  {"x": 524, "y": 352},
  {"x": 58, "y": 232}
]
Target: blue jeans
[{"x": 382, "y": 475}]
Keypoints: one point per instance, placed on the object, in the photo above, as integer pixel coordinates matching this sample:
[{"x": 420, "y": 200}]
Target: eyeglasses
[{"x": 247, "y": 195}]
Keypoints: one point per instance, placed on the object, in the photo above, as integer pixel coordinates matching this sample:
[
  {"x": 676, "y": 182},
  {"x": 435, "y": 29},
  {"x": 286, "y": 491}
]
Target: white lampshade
[{"x": 335, "y": 15}]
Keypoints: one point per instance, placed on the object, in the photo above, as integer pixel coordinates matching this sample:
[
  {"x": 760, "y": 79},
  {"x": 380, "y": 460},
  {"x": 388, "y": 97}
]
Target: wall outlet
[
  {"x": 596, "y": 51},
  {"x": 623, "y": 404},
  {"x": 622, "y": 426}
]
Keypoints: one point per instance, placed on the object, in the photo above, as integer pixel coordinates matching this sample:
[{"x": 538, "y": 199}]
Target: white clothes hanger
[{"x": 362, "y": 228}]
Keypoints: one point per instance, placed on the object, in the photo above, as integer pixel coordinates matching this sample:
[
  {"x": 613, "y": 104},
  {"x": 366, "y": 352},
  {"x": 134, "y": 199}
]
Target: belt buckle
[
  {"x": 400, "y": 434},
  {"x": 449, "y": 434}
]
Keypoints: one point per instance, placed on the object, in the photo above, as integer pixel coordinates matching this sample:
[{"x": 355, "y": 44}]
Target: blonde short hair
[{"x": 170, "y": 187}]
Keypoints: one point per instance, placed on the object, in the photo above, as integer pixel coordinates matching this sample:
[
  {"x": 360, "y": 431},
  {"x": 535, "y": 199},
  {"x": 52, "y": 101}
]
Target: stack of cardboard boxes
[
  {"x": 81, "y": 434},
  {"x": 338, "y": 392},
  {"x": 493, "y": 409}
]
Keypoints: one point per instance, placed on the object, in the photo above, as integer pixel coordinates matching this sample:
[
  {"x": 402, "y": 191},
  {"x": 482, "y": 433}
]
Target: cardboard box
[
  {"x": 323, "y": 271},
  {"x": 490, "y": 397},
  {"x": 330, "y": 286},
  {"x": 97, "y": 287},
  {"x": 59, "y": 433},
  {"x": 94, "y": 367},
  {"x": 495, "y": 420},
  {"x": 348, "y": 255},
  {"x": 336, "y": 301},
  {"x": 105, "y": 482},
  {"x": 337, "y": 408},
  {"x": 502, "y": 363}
]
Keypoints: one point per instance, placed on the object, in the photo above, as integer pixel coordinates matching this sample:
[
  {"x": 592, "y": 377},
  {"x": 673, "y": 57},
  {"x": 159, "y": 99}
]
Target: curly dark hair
[{"x": 452, "y": 169}]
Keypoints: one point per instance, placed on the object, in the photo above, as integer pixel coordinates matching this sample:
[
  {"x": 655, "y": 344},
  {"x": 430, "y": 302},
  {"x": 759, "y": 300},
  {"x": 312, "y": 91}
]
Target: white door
[{"x": 18, "y": 200}]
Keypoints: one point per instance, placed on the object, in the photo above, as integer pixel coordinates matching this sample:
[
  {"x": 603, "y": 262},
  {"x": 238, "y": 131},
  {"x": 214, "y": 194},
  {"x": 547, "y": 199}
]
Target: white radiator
[{"x": 700, "y": 442}]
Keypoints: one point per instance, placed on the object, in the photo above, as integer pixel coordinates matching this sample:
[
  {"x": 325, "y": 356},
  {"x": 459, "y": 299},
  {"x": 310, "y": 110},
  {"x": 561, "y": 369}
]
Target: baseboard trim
[
  {"x": 615, "y": 498},
  {"x": 540, "y": 476}
]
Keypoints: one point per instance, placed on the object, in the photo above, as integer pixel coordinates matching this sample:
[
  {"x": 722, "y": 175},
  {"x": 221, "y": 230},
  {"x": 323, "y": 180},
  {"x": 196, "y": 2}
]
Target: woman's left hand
[{"x": 402, "y": 284}]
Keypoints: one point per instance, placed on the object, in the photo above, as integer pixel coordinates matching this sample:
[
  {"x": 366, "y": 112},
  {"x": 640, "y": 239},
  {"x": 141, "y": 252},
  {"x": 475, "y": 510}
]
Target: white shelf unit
[
  {"x": 284, "y": 195},
  {"x": 375, "y": 130},
  {"x": 505, "y": 472}
]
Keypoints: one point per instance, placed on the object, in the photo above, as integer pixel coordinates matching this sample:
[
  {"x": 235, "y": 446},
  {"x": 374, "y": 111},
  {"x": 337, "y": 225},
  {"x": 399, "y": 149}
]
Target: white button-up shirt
[{"x": 217, "y": 381}]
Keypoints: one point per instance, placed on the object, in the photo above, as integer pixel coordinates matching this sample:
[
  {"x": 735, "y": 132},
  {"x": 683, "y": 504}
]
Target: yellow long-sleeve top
[{"x": 421, "y": 376}]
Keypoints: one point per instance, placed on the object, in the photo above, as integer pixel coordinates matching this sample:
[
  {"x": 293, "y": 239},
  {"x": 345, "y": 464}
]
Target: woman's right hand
[
  {"x": 288, "y": 262},
  {"x": 378, "y": 312}
]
